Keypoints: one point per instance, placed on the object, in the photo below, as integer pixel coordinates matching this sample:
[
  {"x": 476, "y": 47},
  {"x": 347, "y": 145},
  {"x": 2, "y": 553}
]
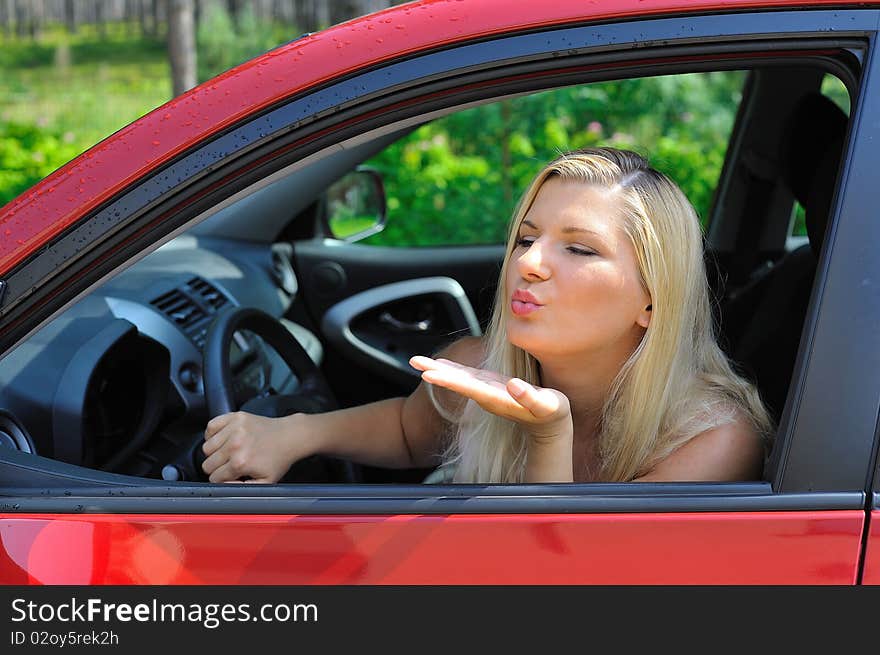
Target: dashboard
[{"x": 115, "y": 381}]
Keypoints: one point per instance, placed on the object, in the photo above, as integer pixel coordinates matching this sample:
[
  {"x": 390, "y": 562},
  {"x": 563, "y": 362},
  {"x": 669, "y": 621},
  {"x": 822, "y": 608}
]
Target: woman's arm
[
  {"x": 544, "y": 413},
  {"x": 394, "y": 433}
]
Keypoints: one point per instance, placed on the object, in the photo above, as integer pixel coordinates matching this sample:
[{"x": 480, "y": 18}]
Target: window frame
[{"x": 157, "y": 208}]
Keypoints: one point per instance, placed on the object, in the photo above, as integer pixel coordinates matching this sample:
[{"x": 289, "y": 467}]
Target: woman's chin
[
  {"x": 541, "y": 347},
  {"x": 528, "y": 343}
]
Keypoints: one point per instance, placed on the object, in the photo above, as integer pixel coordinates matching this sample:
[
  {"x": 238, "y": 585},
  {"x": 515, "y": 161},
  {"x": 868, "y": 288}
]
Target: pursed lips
[{"x": 524, "y": 302}]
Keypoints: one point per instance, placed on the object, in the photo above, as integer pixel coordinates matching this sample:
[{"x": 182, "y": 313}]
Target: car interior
[{"x": 117, "y": 388}]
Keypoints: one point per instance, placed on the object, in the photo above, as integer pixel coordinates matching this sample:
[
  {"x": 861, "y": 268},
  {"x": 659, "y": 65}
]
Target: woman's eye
[
  {"x": 580, "y": 251},
  {"x": 525, "y": 242}
]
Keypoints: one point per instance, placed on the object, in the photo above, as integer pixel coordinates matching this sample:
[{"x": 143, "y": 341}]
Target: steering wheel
[{"x": 312, "y": 396}]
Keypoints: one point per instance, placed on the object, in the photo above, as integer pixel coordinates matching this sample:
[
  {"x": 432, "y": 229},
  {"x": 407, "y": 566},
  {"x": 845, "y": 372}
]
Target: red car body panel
[
  {"x": 62, "y": 199},
  {"x": 819, "y": 547},
  {"x": 871, "y": 566}
]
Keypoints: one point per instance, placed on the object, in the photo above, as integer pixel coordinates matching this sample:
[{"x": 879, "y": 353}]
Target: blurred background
[{"x": 72, "y": 72}]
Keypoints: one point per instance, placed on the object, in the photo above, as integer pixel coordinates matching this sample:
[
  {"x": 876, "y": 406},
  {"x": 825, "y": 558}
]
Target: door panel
[
  {"x": 800, "y": 547},
  {"x": 375, "y": 307},
  {"x": 383, "y": 327}
]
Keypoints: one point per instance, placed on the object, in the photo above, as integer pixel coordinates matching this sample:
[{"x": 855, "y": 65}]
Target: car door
[{"x": 802, "y": 524}]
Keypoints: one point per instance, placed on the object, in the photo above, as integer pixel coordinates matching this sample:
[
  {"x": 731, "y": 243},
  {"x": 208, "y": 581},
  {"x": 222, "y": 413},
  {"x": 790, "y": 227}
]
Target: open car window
[
  {"x": 116, "y": 382},
  {"x": 456, "y": 180}
]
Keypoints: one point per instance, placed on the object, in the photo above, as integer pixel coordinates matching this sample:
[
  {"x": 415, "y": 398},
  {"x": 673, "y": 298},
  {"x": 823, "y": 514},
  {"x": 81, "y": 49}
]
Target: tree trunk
[
  {"x": 322, "y": 14},
  {"x": 101, "y": 18},
  {"x": 70, "y": 16},
  {"x": 4, "y": 18},
  {"x": 278, "y": 13},
  {"x": 21, "y": 18},
  {"x": 182, "y": 45},
  {"x": 156, "y": 24},
  {"x": 129, "y": 15},
  {"x": 342, "y": 10},
  {"x": 142, "y": 18},
  {"x": 234, "y": 9},
  {"x": 304, "y": 15},
  {"x": 38, "y": 16}
]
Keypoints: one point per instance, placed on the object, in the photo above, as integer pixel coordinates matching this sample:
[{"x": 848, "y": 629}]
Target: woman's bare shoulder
[
  {"x": 730, "y": 452},
  {"x": 469, "y": 351}
]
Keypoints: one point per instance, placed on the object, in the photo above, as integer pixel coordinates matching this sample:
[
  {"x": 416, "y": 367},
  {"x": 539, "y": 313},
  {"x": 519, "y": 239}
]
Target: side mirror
[{"x": 356, "y": 205}]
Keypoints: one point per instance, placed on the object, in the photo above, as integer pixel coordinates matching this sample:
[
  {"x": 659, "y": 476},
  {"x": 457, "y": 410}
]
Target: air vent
[
  {"x": 191, "y": 308},
  {"x": 208, "y": 293}
]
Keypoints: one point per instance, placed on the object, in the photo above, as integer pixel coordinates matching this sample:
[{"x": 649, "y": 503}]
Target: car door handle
[{"x": 403, "y": 326}]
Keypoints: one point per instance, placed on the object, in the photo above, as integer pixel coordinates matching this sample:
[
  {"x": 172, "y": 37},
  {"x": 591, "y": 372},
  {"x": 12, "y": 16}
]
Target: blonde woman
[{"x": 599, "y": 363}]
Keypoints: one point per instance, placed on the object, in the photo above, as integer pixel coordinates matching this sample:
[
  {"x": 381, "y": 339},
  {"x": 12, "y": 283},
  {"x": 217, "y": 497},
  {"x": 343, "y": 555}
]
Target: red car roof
[{"x": 59, "y": 201}]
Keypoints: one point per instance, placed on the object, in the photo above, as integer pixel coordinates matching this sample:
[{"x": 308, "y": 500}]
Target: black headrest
[{"x": 811, "y": 147}]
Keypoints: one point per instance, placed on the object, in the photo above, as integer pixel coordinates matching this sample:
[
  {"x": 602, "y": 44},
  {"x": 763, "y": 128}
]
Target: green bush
[
  {"x": 27, "y": 155},
  {"x": 457, "y": 180}
]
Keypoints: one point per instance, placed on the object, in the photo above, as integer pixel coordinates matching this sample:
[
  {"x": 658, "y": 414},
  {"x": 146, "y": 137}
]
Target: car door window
[{"x": 455, "y": 181}]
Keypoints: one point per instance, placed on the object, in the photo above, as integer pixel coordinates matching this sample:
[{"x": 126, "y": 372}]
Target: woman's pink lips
[
  {"x": 521, "y": 308},
  {"x": 523, "y": 302}
]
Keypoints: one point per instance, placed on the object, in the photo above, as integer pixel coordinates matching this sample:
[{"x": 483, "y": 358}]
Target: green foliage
[
  {"x": 63, "y": 94},
  {"x": 60, "y": 96},
  {"x": 27, "y": 155},
  {"x": 457, "y": 180}
]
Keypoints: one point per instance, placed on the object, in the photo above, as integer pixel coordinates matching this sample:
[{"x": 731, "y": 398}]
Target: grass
[
  {"x": 80, "y": 88},
  {"x": 64, "y": 93}
]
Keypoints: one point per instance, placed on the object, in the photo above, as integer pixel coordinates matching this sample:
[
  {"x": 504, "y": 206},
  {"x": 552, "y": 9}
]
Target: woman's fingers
[
  {"x": 224, "y": 473},
  {"x": 217, "y": 446},
  {"x": 541, "y": 403},
  {"x": 217, "y": 423},
  {"x": 421, "y": 362},
  {"x": 212, "y": 462},
  {"x": 427, "y": 364},
  {"x": 490, "y": 395},
  {"x": 513, "y": 398},
  {"x": 215, "y": 442}
]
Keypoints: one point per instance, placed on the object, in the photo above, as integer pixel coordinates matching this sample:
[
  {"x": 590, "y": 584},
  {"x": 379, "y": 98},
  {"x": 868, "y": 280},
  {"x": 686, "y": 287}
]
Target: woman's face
[{"x": 573, "y": 282}]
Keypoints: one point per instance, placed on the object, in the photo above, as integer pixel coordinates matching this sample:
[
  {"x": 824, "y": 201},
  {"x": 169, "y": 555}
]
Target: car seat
[{"x": 765, "y": 345}]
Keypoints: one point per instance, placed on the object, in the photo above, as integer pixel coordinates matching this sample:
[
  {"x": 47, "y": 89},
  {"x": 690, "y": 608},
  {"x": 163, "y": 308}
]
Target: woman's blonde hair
[{"x": 676, "y": 384}]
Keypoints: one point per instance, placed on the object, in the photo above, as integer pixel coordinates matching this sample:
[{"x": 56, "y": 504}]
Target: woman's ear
[{"x": 644, "y": 318}]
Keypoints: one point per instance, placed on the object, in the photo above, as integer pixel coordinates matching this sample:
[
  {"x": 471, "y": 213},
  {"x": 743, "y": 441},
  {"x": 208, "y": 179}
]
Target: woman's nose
[{"x": 532, "y": 264}]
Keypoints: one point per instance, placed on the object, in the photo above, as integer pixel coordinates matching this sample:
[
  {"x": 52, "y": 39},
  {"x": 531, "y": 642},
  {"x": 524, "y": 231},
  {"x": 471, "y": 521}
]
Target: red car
[{"x": 141, "y": 283}]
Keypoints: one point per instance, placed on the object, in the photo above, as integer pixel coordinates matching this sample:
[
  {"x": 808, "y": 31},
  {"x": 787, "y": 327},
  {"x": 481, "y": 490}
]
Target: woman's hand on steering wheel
[{"x": 259, "y": 449}]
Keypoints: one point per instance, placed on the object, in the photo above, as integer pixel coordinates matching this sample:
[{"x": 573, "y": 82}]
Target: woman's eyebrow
[{"x": 571, "y": 229}]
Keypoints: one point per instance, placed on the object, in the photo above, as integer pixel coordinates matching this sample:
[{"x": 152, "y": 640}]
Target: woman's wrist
[
  {"x": 301, "y": 433},
  {"x": 548, "y": 458},
  {"x": 551, "y": 433}
]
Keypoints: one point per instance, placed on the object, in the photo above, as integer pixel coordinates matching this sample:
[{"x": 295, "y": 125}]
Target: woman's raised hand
[{"x": 545, "y": 413}]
